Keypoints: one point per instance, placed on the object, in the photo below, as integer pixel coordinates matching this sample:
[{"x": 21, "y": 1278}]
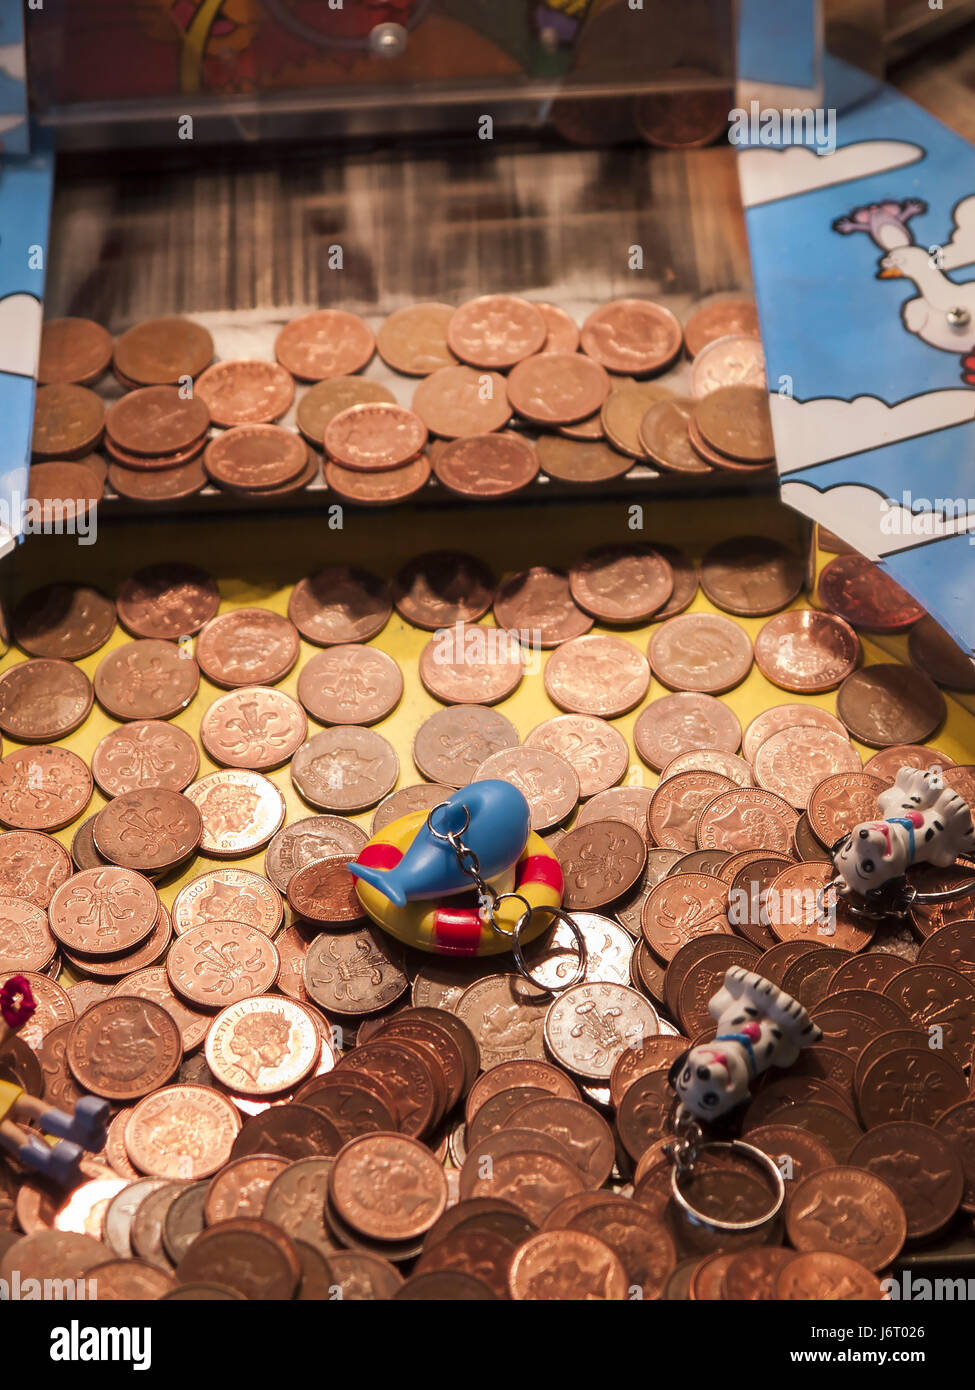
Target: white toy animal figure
[
  {"x": 759, "y": 1026},
  {"x": 926, "y": 822}
]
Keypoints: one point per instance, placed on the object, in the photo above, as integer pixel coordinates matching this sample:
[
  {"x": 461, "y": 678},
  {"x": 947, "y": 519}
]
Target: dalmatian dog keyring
[
  {"x": 925, "y": 822},
  {"x": 758, "y": 1026}
]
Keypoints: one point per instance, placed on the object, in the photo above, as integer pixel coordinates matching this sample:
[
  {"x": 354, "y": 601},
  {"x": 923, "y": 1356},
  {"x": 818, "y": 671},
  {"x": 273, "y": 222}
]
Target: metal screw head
[
  {"x": 958, "y": 318},
  {"x": 388, "y": 40}
]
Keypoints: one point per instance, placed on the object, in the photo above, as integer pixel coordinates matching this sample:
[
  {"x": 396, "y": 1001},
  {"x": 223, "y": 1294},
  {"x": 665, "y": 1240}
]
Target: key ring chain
[
  {"x": 689, "y": 1145},
  {"x": 491, "y": 901}
]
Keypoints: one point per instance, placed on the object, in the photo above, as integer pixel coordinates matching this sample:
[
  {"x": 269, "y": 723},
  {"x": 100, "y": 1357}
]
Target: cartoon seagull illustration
[{"x": 942, "y": 314}]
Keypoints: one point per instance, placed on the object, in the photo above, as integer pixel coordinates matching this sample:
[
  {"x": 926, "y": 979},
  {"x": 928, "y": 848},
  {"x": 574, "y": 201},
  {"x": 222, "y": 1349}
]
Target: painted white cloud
[
  {"x": 766, "y": 175},
  {"x": 868, "y": 520},
  {"x": 810, "y": 432},
  {"x": 12, "y": 60},
  {"x": 20, "y": 334}
]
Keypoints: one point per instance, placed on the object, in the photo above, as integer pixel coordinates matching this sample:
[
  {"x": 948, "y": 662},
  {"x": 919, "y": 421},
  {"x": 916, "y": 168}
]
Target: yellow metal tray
[{"x": 257, "y": 560}]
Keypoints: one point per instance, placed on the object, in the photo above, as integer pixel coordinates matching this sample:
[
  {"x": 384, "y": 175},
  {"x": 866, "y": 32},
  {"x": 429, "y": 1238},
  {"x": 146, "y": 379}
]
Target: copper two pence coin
[
  {"x": 324, "y": 891},
  {"x": 819, "y": 1273},
  {"x": 727, "y": 765},
  {"x": 32, "y": 866},
  {"x": 26, "y": 942},
  {"x": 422, "y": 796},
  {"x": 580, "y": 461},
  {"x": 470, "y": 664},
  {"x": 221, "y": 963},
  {"x": 124, "y": 1047},
  {"x": 683, "y": 907},
  {"x": 889, "y": 703},
  {"x": 806, "y": 651},
  {"x": 841, "y": 801},
  {"x": 43, "y": 788},
  {"x": 700, "y": 652},
  {"x": 496, "y": 330},
  {"x": 563, "y": 333},
  {"x": 735, "y": 360},
  {"x": 334, "y": 983},
  {"x": 241, "y": 811},
  {"x": 253, "y": 727},
  {"x": 567, "y": 1265},
  {"x": 146, "y": 753},
  {"x": 735, "y": 420},
  {"x": 931, "y": 649},
  {"x": 162, "y": 485},
  {"x": 621, "y": 584},
  {"x": 146, "y": 679},
  {"x": 68, "y": 421},
  {"x": 248, "y": 646},
  {"x": 677, "y": 805},
  {"x": 547, "y": 781},
  {"x": 326, "y": 399},
  {"x": 63, "y": 491},
  {"x": 63, "y": 620},
  {"x": 245, "y": 393},
  {"x": 41, "y": 700},
  {"x": 603, "y": 676},
  {"x": 793, "y": 909},
  {"x": 168, "y": 600},
  {"x": 600, "y": 861},
  {"x": 229, "y": 894},
  {"x": 779, "y": 717},
  {"x": 340, "y": 604},
  {"x": 156, "y": 420},
  {"x": 161, "y": 351},
  {"x": 345, "y": 768},
  {"x": 623, "y": 412},
  {"x": 632, "y": 337},
  {"x": 378, "y": 489},
  {"x": 847, "y": 1210},
  {"x": 452, "y": 744},
  {"x": 747, "y": 818},
  {"x": 680, "y": 723},
  {"x": 374, "y": 437},
  {"x": 628, "y": 804},
  {"x": 861, "y": 592},
  {"x": 486, "y": 465},
  {"x": 255, "y": 457},
  {"x": 414, "y": 340},
  {"x": 443, "y": 587},
  {"x": 792, "y": 763},
  {"x": 149, "y": 829},
  {"x": 539, "y": 602},
  {"x": 413, "y": 1199},
  {"x": 262, "y": 1045},
  {"x": 329, "y": 342},
  {"x": 557, "y": 388},
  {"x": 921, "y": 1166},
  {"x": 73, "y": 350},
  {"x": 664, "y": 438},
  {"x": 598, "y": 752},
  {"x": 751, "y": 575},
  {"x": 456, "y": 401},
  {"x": 350, "y": 684},
  {"x": 719, "y": 319}
]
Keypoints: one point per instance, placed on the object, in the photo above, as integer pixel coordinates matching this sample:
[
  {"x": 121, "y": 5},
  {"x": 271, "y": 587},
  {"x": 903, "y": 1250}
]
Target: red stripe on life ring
[
  {"x": 380, "y": 856},
  {"x": 539, "y": 868},
  {"x": 457, "y": 931}
]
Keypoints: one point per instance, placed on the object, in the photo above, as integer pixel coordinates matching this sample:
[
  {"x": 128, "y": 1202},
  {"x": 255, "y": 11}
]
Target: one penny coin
[
  {"x": 751, "y": 575},
  {"x": 150, "y": 829},
  {"x": 632, "y": 337},
  {"x": 42, "y": 700},
  {"x": 169, "y": 600},
  {"x": 456, "y": 401},
  {"x": 161, "y": 351},
  {"x": 255, "y": 457},
  {"x": 557, "y": 388},
  {"x": 539, "y": 603},
  {"x": 245, "y": 393},
  {"x": 443, "y": 587},
  {"x": 73, "y": 350},
  {"x": 680, "y": 723},
  {"x": 345, "y": 768},
  {"x": 603, "y": 676},
  {"x": 806, "y": 651},
  {"x": 43, "y": 788},
  {"x": 414, "y": 340},
  {"x": 350, "y": 684},
  {"x": 486, "y": 465},
  {"x": 329, "y": 342},
  {"x": 889, "y": 703},
  {"x": 66, "y": 621},
  {"x": 123, "y": 1048},
  {"x": 547, "y": 781},
  {"x": 622, "y": 584},
  {"x": 496, "y": 330},
  {"x": 340, "y": 604},
  {"x": 700, "y": 652}
]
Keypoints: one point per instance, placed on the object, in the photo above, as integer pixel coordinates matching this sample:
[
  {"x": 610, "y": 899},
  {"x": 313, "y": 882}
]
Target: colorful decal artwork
[{"x": 864, "y": 263}]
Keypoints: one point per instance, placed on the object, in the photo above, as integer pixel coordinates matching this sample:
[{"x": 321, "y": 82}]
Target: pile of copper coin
[
  {"x": 303, "y": 1107},
  {"x": 493, "y": 393}
]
